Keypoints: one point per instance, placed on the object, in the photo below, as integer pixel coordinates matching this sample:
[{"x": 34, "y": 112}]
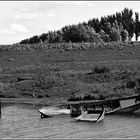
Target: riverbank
[
  {"x": 35, "y": 102},
  {"x": 49, "y": 75}
]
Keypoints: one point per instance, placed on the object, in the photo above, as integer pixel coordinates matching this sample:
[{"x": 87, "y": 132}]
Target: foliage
[
  {"x": 95, "y": 23},
  {"x": 45, "y": 82},
  {"x": 80, "y": 33},
  {"x": 100, "y": 69},
  {"x": 124, "y": 35},
  {"x": 137, "y": 25},
  {"x": 105, "y": 38},
  {"x": 130, "y": 84},
  {"x": 114, "y": 35},
  {"x": 128, "y": 21},
  {"x": 113, "y": 26}
]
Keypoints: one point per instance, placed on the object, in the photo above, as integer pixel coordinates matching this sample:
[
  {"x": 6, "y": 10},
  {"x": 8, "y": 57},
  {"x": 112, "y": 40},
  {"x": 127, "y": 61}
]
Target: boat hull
[
  {"x": 111, "y": 106},
  {"x": 91, "y": 117},
  {"x": 53, "y": 111},
  {"x": 128, "y": 109}
]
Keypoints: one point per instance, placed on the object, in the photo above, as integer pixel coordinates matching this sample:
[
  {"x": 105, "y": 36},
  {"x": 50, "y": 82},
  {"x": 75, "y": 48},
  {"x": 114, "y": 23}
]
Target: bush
[
  {"x": 102, "y": 69},
  {"x": 105, "y": 38},
  {"x": 28, "y": 94},
  {"x": 130, "y": 84},
  {"x": 12, "y": 96},
  {"x": 124, "y": 35},
  {"x": 101, "y": 97},
  {"x": 2, "y": 96},
  {"x": 40, "y": 96},
  {"x": 46, "y": 81},
  {"x": 88, "y": 97},
  {"x": 73, "y": 98},
  {"x": 114, "y": 36}
]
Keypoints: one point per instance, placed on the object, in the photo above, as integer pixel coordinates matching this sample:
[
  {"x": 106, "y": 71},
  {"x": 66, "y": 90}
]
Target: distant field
[{"x": 66, "y": 70}]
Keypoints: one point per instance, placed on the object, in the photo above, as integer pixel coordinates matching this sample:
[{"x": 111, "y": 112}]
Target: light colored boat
[
  {"x": 52, "y": 111},
  {"x": 91, "y": 115}
]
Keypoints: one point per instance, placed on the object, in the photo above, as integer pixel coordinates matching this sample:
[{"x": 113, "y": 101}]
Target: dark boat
[
  {"x": 124, "y": 105},
  {"x": 111, "y": 106}
]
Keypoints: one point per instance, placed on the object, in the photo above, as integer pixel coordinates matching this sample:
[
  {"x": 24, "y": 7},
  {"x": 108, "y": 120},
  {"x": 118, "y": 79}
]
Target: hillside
[{"x": 64, "y": 70}]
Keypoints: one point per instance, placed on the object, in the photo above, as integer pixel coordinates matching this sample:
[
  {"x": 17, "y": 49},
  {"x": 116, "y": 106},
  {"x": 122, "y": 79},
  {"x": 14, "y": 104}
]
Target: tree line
[{"x": 120, "y": 26}]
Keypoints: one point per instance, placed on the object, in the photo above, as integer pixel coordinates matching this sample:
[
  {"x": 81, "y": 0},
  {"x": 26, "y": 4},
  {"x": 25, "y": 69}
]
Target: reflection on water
[{"x": 22, "y": 121}]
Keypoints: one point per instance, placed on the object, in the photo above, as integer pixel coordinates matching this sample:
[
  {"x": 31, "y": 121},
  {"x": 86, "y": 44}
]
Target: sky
[{"x": 23, "y": 19}]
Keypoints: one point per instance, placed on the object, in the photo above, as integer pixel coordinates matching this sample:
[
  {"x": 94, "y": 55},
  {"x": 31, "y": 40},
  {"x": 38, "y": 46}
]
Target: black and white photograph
[{"x": 69, "y": 70}]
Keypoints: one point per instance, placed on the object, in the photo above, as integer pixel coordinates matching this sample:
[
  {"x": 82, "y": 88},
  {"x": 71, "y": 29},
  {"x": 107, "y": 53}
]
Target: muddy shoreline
[{"x": 36, "y": 102}]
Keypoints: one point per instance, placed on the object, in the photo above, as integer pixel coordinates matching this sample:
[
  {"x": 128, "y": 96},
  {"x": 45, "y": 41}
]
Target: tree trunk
[
  {"x": 136, "y": 36},
  {"x": 130, "y": 39}
]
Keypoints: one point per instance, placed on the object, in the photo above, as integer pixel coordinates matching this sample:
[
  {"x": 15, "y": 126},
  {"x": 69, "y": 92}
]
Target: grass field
[{"x": 64, "y": 71}]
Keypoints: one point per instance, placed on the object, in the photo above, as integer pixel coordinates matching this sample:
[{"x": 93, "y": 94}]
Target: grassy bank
[{"x": 50, "y": 73}]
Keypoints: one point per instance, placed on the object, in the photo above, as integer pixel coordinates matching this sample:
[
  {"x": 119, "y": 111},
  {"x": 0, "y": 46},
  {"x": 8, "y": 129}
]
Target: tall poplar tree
[{"x": 136, "y": 25}]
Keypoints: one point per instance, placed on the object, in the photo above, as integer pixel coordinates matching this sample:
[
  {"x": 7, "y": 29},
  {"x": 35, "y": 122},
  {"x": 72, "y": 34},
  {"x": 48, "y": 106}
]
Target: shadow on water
[
  {"x": 100, "y": 123},
  {"x": 128, "y": 115}
]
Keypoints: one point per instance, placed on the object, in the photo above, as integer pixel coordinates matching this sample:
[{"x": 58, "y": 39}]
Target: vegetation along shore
[{"x": 91, "y": 60}]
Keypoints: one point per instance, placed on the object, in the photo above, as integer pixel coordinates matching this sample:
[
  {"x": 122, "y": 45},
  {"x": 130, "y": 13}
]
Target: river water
[{"x": 23, "y": 121}]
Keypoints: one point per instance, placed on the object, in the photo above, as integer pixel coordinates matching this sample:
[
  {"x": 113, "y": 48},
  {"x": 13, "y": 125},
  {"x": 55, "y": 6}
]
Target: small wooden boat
[
  {"x": 52, "y": 111},
  {"x": 123, "y": 105},
  {"x": 111, "y": 106},
  {"x": 91, "y": 115}
]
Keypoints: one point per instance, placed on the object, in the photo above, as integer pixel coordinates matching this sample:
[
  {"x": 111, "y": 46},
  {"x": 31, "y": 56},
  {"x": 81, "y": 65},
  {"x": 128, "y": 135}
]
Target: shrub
[
  {"x": 102, "y": 69},
  {"x": 101, "y": 97},
  {"x": 74, "y": 98},
  {"x": 124, "y": 35},
  {"x": 115, "y": 35},
  {"x": 29, "y": 94},
  {"x": 88, "y": 97},
  {"x": 40, "y": 96},
  {"x": 105, "y": 38},
  {"x": 2, "y": 96},
  {"x": 12, "y": 96},
  {"x": 46, "y": 95},
  {"x": 124, "y": 75},
  {"x": 130, "y": 84},
  {"x": 46, "y": 81},
  {"x": 137, "y": 80}
]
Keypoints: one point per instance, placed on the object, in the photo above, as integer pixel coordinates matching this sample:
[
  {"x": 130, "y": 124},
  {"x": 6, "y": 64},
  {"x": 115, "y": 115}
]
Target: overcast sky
[{"x": 20, "y": 20}]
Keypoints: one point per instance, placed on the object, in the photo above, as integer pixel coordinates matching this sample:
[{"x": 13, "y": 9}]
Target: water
[{"x": 22, "y": 121}]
